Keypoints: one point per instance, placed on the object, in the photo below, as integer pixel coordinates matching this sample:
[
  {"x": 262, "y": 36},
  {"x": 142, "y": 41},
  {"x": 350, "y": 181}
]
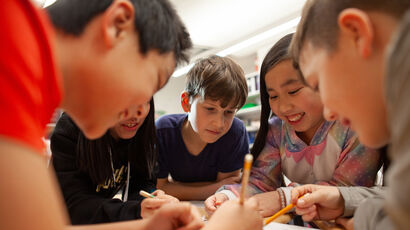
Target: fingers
[
  {"x": 209, "y": 203},
  {"x": 190, "y": 217},
  {"x": 153, "y": 203},
  {"x": 308, "y": 213},
  {"x": 347, "y": 223},
  {"x": 158, "y": 192},
  {"x": 214, "y": 201},
  {"x": 302, "y": 190}
]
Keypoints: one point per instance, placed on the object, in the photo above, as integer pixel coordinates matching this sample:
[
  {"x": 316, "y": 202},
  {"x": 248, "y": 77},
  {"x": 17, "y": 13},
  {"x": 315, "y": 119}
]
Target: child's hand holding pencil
[{"x": 154, "y": 201}]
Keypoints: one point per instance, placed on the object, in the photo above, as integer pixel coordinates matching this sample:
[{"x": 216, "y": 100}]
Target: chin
[
  {"x": 374, "y": 141},
  {"x": 93, "y": 131}
]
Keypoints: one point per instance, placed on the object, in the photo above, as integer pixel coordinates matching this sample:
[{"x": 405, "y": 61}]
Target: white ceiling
[{"x": 217, "y": 24}]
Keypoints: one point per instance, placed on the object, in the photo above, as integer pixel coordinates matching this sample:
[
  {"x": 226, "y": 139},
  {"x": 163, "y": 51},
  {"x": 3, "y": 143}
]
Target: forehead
[
  {"x": 282, "y": 74},
  {"x": 217, "y": 103}
]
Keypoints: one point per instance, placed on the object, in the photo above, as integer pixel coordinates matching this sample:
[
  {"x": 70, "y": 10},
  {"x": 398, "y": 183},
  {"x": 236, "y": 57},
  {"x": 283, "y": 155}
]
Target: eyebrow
[
  {"x": 286, "y": 83},
  {"x": 289, "y": 82}
]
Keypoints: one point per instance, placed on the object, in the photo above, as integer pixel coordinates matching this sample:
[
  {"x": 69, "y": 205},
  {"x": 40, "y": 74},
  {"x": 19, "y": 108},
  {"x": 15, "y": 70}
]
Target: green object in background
[{"x": 248, "y": 105}]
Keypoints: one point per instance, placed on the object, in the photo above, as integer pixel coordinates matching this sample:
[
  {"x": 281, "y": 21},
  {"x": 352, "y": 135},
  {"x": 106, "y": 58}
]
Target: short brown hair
[
  {"x": 318, "y": 24},
  {"x": 218, "y": 78}
]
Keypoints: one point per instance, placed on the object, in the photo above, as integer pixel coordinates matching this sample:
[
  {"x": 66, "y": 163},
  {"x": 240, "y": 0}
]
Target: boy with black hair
[
  {"x": 340, "y": 47},
  {"x": 204, "y": 149},
  {"x": 99, "y": 74}
]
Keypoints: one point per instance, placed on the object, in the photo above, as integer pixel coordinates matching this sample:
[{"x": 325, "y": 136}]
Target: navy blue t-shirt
[{"x": 225, "y": 155}]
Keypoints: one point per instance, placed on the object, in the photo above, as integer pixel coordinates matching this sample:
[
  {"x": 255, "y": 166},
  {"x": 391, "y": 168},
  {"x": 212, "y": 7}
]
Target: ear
[
  {"x": 356, "y": 24},
  {"x": 117, "y": 21},
  {"x": 186, "y": 106}
]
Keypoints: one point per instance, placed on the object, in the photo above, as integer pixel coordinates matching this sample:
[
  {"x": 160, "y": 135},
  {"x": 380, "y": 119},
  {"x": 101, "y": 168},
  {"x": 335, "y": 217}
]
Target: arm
[
  {"x": 197, "y": 190},
  {"x": 30, "y": 196},
  {"x": 84, "y": 204},
  {"x": 266, "y": 176}
]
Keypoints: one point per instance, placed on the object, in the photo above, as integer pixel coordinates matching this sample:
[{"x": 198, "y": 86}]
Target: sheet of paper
[{"x": 278, "y": 226}]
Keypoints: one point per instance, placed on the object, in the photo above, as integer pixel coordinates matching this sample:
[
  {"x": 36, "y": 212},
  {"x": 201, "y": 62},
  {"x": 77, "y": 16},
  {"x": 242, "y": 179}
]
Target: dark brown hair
[
  {"x": 218, "y": 78},
  {"x": 277, "y": 54},
  {"x": 319, "y": 27}
]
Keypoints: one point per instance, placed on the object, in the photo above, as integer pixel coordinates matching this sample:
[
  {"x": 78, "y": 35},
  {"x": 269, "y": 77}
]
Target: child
[
  {"x": 343, "y": 53},
  {"x": 204, "y": 149},
  {"x": 297, "y": 142},
  {"x": 109, "y": 57},
  {"x": 106, "y": 70},
  {"x": 92, "y": 172}
]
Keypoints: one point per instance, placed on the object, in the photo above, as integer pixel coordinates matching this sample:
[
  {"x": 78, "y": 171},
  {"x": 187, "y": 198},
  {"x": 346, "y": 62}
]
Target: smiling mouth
[{"x": 295, "y": 118}]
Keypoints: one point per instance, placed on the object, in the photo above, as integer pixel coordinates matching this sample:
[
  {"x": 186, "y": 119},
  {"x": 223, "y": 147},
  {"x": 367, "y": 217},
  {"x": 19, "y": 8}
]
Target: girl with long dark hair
[
  {"x": 295, "y": 140},
  {"x": 101, "y": 179}
]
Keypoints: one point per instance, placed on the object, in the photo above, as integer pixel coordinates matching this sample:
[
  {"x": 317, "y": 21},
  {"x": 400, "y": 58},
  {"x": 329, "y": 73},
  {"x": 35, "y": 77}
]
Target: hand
[
  {"x": 150, "y": 205},
  {"x": 232, "y": 215},
  {"x": 214, "y": 201},
  {"x": 180, "y": 215},
  {"x": 323, "y": 202},
  {"x": 268, "y": 203},
  {"x": 347, "y": 223}
]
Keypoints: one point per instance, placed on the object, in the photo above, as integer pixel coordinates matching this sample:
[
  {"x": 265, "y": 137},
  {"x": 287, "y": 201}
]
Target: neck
[
  {"x": 308, "y": 135},
  {"x": 192, "y": 140}
]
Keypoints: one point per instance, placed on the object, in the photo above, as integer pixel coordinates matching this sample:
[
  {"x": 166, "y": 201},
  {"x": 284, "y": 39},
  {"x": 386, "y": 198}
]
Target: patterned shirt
[{"x": 333, "y": 157}]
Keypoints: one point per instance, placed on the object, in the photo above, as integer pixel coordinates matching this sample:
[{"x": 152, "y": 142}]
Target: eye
[
  {"x": 273, "y": 97},
  {"x": 295, "y": 91},
  {"x": 230, "y": 112},
  {"x": 210, "y": 109}
]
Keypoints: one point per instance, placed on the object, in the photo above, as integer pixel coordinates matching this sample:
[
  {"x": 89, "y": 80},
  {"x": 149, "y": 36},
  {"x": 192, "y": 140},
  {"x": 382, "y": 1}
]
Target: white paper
[{"x": 278, "y": 226}]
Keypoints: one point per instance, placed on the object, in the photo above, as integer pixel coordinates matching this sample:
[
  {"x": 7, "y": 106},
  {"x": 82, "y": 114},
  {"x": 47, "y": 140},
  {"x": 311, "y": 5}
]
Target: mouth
[
  {"x": 213, "y": 132},
  {"x": 130, "y": 126},
  {"x": 295, "y": 118}
]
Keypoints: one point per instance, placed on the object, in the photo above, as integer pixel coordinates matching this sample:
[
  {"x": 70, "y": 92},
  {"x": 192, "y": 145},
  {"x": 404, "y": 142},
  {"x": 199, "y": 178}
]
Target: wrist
[{"x": 281, "y": 198}]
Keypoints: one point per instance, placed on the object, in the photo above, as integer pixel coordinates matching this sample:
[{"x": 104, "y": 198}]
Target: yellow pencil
[
  {"x": 245, "y": 176},
  {"x": 146, "y": 194},
  {"x": 281, "y": 212}
]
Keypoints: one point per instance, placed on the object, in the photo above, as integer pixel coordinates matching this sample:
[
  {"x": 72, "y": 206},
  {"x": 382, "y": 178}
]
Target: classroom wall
[{"x": 167, "y": 100}]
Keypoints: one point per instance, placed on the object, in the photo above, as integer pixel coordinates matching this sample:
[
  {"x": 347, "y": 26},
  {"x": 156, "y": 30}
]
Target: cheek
[{"x": 273, "y": 107}]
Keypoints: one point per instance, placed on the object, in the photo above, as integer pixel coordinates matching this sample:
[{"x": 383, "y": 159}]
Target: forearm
[
  {"x": 190, "y": 191},
  {"x": 125, "y": 225},
  {"x": 354, "y": 196}
]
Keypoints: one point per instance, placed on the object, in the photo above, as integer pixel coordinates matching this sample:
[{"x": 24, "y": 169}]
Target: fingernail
[{"x": 301, "y": 202}]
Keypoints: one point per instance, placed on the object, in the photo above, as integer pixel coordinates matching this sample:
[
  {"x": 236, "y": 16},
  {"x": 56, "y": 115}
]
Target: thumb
[{"x": 309, "y": 199}]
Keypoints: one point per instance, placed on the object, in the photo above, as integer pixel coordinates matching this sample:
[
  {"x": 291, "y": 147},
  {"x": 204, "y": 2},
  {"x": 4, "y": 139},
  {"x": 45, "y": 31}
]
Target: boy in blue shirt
[{"x": 204, "y": 149}]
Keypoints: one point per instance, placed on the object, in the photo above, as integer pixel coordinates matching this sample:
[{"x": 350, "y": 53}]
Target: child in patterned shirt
[{"x": 297, "y": 141}]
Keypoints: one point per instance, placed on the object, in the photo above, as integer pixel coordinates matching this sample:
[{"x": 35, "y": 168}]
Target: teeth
[
  {"x": 295, "y": 117},
  {"x": 130, "y": 125}
]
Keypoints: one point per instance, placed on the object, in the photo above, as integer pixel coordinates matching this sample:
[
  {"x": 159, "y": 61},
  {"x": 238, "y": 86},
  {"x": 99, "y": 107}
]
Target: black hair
[
  {"x": 277, "y": 54},
  {"x": 93, "y": 156},
  {"x": 156, "y": 22}
]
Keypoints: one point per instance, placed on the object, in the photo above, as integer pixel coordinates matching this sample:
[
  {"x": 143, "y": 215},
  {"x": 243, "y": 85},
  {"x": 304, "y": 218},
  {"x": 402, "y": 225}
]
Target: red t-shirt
[{"x": 29, "y": 82}]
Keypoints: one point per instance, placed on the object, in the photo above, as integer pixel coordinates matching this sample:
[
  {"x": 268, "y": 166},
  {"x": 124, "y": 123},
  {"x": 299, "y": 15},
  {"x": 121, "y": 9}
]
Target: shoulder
[
  {"x": 275, "y": 124},
  {"x": 65, "y": 126},
  {"x": 340, "y": 132},
  {"x": 169, "y": 121},
  {"x": 237, "y": 125}
]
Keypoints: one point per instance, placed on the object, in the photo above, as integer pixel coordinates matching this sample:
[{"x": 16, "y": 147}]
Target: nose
[
  {"x": 219, "y": 121},
  {"x": 284, "y": 106},
  {"x": 141, "y": 110},
  {"x": 329, "y": 115}
]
